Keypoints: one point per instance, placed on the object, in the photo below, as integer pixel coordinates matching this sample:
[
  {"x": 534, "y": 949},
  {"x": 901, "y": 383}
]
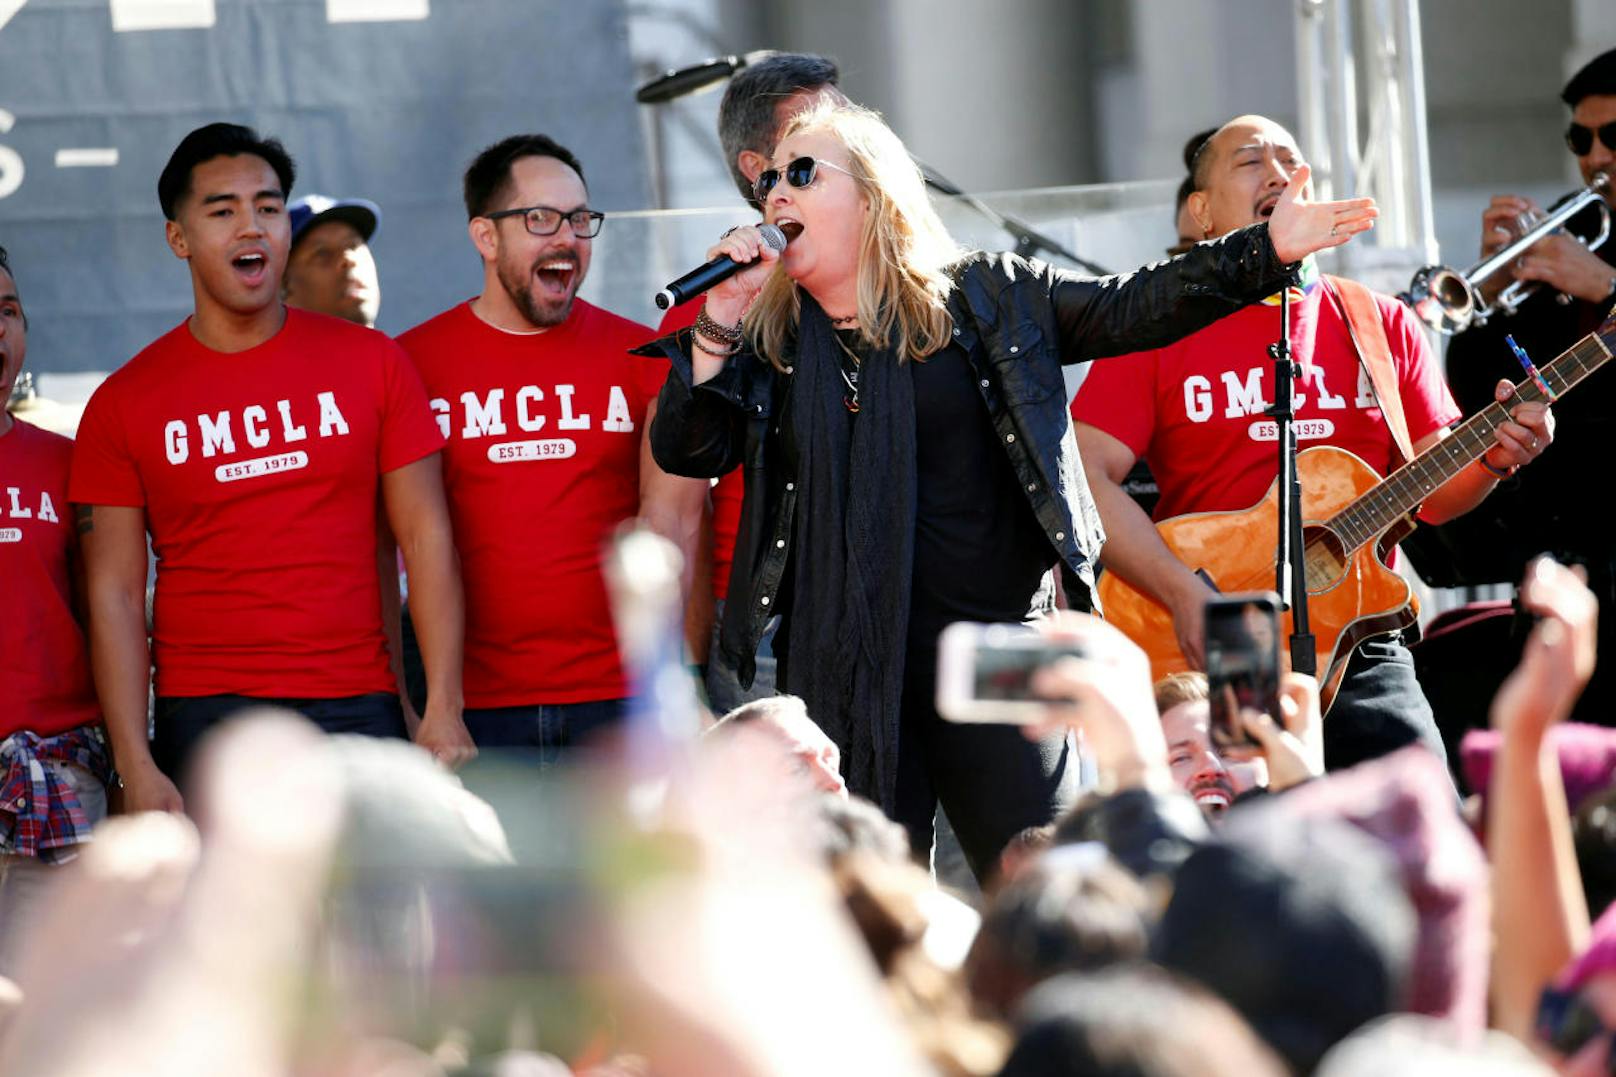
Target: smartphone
[
  {"x": 985, "y": 671},
  {"x": 1242, "y": 663}
]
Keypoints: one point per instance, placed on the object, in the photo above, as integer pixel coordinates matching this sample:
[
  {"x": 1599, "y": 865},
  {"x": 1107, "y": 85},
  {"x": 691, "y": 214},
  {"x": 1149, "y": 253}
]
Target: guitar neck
[{"x": 1404, "y": 489}]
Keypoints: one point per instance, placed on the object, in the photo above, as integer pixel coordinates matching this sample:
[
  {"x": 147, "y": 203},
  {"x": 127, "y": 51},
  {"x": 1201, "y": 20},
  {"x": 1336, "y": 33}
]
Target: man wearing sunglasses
[
  {"x": 545, "y": 413},
  {"x": 1552, "y": 510}
]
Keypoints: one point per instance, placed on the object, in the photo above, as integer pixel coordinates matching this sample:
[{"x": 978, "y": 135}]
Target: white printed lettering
[
  {"x": 290, "y": 432},
  {"x": 525, "y": 419},
  {"x": 1243, "y": 399},
  {"x": 1197, "y": 399},
  {"x": 441, "y": 407},
  {"x": 263, "y": 465},
  {"x": 176, "y": 443},
  {"x": 1328, "y": 401},
  {"x": 1366, "y": 391},
  {"x": 252, "y": 419},
  {"x": 215, "y": 432},
  {"x": 509, "y": 452},
  {"x": 47, "y": 510},
  {"x": 568, "y": 421},
  {"x": 17, "y": 511},
  {"x": 330, "y": 417},
  {"x": 10, "y": 534},
  {"x": 1306, "y": 430},
  {"x": 618, "y": 420},
  {"x": 483, "y": 417}
]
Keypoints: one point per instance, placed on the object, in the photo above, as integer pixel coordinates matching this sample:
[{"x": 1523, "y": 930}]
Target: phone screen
[
  {"x": 1242, "y": 663},
  {"x": 1005, "y": 667}
]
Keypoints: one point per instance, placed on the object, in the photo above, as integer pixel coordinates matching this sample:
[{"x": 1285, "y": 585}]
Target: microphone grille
[{"x": 772, "y": 235}]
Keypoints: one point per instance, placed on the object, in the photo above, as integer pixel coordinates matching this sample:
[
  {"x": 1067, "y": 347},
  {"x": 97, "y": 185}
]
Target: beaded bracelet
[
  {"x": 1497, "y": 473},
  {"x": 712, "y": 330},
  {"x": 695, "y": 338}
]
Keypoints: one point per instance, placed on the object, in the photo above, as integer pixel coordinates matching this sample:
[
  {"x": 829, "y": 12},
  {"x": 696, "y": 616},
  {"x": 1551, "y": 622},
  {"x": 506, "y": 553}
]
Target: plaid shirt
[{"x": 40, "y": 814}]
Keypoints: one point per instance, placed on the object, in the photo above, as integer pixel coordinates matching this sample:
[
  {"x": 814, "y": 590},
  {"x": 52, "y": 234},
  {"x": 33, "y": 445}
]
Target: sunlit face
[
  {"x": 824, "y": 220},
  {"x": 811, "y": 752},
  {"x": 331, "y": 271},
  {"x": 233, "y": 230},
  {"x": 1594, "y": 111},
  {"x": 541, "y": 274},
  {"x": 1247, "y": 164},
  {"x": 1196, "y": 767},
  {"x": 13, "y": 340}
]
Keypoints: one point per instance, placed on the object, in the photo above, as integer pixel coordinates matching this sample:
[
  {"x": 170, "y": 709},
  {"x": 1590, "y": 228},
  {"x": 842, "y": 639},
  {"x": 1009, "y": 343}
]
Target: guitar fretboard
[{"x": 1404, "y": 489}]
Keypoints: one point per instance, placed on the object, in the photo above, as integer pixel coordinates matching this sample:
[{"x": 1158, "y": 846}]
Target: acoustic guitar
[{"x": 1351, "y": 521}]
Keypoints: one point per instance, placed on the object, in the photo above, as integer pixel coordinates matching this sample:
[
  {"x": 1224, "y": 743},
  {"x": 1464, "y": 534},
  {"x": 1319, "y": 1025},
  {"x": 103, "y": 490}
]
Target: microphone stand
[
  {"x": 1290, "y": 556},
  {"x": 679, "y": 82},
  {"x": 1028, "y": 241}
]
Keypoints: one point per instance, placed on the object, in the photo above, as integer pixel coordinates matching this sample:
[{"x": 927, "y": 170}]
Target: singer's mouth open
[
  {"x": 791, "y": 228},
  {"x": 556, "y": 275}
]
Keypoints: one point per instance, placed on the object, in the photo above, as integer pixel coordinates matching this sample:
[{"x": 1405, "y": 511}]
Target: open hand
[{"x": 1298, "y": 227}]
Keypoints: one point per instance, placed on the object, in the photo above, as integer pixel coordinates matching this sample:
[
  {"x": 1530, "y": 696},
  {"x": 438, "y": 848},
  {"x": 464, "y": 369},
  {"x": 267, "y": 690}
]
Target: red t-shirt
[
  {"x": 1193, "y": 409},
  {"x": 543, "y": 464},
  {"x": 730, "y": 489},
  {"x": 44, "y": 665},
  {"x": 259, "y": 474}
]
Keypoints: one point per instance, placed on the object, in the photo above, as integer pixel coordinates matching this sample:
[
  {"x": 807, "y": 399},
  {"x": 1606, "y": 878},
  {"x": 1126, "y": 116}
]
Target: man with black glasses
[
  {"x": 1553, "y": 510},
  {"x": 545, "y": 412}
]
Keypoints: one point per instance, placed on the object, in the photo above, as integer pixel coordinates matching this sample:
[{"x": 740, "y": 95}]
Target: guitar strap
[{"x": 1374, "y": 351}]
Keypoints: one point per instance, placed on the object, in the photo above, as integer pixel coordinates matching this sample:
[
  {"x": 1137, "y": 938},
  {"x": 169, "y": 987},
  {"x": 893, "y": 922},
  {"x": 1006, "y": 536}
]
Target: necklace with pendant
[{"x": 850, "y": 378}]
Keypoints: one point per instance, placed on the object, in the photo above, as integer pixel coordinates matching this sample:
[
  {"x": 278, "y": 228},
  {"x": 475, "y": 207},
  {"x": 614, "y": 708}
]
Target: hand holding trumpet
[{"x": 1557, "y": 260}]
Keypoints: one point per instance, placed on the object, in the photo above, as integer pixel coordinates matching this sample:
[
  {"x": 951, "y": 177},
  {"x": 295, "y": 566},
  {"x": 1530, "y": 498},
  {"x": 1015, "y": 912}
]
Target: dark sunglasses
[
  {"x": 1581, "y": 139},
  {"x": 1567, "y": 1024},
  {"x": 799, "y": 173}
]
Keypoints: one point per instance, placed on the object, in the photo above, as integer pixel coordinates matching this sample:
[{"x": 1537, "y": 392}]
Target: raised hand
[{"x": 1298, "y": 227}]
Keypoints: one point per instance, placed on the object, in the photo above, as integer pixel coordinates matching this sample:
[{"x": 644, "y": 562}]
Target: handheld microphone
[{"x": 716, "y": 272}]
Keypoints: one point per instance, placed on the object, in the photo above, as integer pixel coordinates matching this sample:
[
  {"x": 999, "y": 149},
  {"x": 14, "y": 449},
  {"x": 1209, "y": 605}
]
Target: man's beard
[{"x": 518, "y": 284}]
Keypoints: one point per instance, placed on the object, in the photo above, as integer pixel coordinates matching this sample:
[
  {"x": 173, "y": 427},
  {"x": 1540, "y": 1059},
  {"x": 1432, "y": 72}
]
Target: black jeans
[
  {"x": 992, "y": 781},
  {"x": 182, "y": 721},
  {"x": 1379, "y": 708}
]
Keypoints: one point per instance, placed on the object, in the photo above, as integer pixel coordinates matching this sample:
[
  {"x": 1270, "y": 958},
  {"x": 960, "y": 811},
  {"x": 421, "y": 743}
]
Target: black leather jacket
[{"x": 1018, "y": 321}]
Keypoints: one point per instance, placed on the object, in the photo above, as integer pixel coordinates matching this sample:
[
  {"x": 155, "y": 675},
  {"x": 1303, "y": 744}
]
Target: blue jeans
[
  {"x": 543, "y": 730},
  {"x": 182, "y": 721}
]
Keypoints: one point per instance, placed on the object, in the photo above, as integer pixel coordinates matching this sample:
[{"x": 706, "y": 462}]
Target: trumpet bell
[{"x": 1442, "y": 299}]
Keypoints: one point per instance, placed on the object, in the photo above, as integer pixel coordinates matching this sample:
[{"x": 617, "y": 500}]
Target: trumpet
[{"x": 1451, "y": 302}]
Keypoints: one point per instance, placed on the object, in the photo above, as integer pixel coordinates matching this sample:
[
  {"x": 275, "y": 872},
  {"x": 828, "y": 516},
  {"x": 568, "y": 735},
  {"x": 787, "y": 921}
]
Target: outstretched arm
[{"x": 1535, "y": 876}]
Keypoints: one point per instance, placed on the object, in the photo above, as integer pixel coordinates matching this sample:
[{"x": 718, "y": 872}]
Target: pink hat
[{"x": 1587, "y": 756}]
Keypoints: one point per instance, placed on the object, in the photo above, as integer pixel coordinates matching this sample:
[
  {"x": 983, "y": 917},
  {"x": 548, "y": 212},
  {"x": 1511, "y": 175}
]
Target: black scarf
[{"x": 854, "y": 546}]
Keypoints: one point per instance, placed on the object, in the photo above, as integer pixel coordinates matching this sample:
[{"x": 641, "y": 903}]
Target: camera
[
  {"x": 985, "y": 671},
  {"x": 1242, "y": 663}
]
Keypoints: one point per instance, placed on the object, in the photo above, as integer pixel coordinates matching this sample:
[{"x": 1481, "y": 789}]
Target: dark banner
[{"x": 383, "y": 99}]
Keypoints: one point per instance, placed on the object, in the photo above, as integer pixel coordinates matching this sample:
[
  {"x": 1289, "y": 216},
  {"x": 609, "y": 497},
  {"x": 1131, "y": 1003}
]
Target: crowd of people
[{"x": 369, "y": 785}]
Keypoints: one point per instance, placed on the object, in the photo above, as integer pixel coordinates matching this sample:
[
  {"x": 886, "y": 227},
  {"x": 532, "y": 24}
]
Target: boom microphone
[
  {"x": 716, "y": 272},
  {"x": 677, "y": 82}
]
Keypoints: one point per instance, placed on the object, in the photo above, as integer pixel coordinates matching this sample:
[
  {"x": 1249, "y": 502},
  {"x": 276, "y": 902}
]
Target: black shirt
[{"x": 980, "y": 554}]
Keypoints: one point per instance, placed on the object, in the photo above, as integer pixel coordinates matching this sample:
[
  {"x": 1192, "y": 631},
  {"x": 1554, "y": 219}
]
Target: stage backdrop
[{"x": 386, "y": 99}]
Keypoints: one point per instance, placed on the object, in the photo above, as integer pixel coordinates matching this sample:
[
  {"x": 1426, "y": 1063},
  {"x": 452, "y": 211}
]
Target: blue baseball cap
[{"x": 313, "y": 209}]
